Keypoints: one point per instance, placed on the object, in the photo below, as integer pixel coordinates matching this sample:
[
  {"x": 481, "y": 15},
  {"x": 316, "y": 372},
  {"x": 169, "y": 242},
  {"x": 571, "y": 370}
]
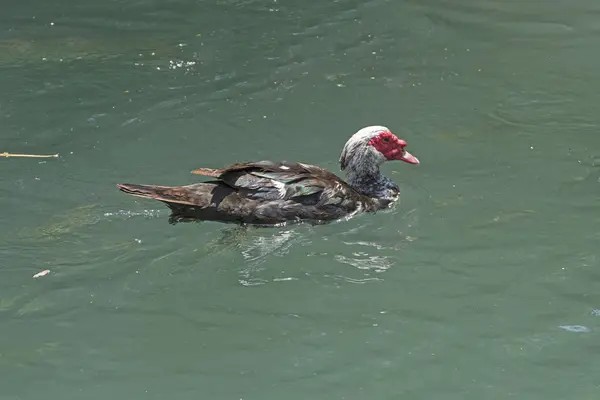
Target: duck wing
[{"x": 268, "y": 180}]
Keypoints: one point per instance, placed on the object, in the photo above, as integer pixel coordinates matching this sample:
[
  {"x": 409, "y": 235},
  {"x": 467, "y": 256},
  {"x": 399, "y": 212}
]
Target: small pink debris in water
[{"x": 42, "y": 273}]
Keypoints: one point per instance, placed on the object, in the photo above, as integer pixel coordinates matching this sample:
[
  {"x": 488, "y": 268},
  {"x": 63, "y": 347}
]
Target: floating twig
[{"x": 5, "y": 154}]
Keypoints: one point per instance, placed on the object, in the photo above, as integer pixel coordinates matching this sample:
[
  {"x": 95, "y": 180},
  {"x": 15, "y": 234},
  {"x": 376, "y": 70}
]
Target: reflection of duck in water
[{"x": 272, "y": 193}]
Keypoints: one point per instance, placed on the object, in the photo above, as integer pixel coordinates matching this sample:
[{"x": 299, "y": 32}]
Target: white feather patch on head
[
  {"x": 367, "y": 133},
  {"x": 360, "y": 140}
]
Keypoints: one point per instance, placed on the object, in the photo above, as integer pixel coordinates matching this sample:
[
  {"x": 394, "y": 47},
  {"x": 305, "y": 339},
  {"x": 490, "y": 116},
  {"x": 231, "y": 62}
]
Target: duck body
[
  {"x": 268, "y": 193},
  {"x": 262, "y": 193}
]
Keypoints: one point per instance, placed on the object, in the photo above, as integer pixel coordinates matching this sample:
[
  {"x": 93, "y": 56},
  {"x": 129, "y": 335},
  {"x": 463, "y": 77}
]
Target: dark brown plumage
[{"x": 272, "y": 193}]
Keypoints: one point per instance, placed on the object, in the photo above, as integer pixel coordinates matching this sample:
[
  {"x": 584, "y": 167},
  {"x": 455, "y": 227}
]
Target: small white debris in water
[
  {"x": 284, "y": 280},
  {"x": 531, "y": 147},
  {"x": 284, "y": 167},
  {"x": 138, "y": 240},
  {"x": 575, "y": 328},
  {"x": 153, "y": 53},
  {"x": 52, "y": 23},
  {"x": 596, "y": 312},
  {"x": 42, "y": 273}
]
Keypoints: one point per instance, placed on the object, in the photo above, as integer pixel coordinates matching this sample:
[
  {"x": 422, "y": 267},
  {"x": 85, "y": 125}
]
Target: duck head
[{"x": 372, "y": 146}]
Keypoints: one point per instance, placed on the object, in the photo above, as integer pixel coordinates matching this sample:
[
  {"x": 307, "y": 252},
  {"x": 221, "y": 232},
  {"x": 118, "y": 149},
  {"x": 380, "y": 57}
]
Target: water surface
[{"x": 481, "y": 284}]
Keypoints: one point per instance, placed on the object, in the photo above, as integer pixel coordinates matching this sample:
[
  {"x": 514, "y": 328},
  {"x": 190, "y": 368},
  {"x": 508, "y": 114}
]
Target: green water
[{"x": 481, "y": 284}]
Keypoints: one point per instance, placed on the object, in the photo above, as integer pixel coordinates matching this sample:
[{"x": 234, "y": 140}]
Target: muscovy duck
[{"x": 274, "y": 193}]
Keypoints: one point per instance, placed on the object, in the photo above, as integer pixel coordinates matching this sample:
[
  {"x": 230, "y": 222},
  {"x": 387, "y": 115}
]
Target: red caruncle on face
[{"x": 392, "y": 148}]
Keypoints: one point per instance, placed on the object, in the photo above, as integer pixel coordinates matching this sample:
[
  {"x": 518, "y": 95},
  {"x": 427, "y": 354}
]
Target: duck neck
[{"x": 368, "y": 180}]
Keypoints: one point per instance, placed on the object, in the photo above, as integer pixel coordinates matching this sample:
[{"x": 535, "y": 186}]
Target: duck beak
[{"x": 407, "y": 157}]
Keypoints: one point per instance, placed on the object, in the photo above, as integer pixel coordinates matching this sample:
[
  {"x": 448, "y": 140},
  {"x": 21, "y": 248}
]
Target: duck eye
[{"x": 386, "y": 139}]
